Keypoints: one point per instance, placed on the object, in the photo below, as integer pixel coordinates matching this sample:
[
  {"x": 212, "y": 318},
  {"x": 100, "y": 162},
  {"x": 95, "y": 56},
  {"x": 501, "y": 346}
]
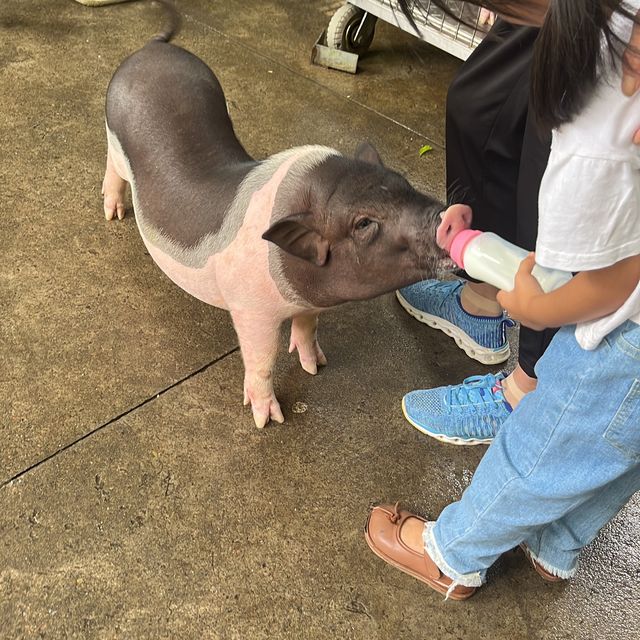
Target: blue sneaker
[
  {"x": 437, "y": 304},
  {"x": 467, "y": 413}
]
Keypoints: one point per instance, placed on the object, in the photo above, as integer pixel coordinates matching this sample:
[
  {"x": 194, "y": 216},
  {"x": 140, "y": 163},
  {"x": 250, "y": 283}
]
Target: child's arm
[{"x": 587, "y": 296}]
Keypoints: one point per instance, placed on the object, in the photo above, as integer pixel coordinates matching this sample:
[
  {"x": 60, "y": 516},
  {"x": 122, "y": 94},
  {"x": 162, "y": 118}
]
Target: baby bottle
[{"x": 491, "y": 259}]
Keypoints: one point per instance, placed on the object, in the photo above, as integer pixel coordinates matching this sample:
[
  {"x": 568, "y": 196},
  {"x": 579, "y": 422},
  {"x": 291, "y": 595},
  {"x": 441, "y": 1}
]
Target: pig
[{"x": 282, "y": 238}]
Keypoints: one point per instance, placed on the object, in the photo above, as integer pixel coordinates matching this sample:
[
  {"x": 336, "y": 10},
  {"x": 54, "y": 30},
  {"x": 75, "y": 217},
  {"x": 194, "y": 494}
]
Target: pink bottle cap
[{"x": 459, "y": 244}]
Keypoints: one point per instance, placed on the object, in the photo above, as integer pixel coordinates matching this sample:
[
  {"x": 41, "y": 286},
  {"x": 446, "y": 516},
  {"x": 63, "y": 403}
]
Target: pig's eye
[
  {"x": 363, "y": 223},
  {"x": 365, "y": 229}
]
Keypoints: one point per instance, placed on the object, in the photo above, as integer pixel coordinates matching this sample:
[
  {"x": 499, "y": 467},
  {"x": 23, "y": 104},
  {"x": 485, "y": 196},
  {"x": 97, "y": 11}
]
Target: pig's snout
[{"x": 456, "y": 218}]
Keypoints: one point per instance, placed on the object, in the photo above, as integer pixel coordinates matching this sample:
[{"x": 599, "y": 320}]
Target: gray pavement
[{"x": 137, "y": 498}]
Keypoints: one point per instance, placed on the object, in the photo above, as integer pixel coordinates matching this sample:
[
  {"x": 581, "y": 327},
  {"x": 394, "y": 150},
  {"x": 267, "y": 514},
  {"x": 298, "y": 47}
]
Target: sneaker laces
[{"x": 478, "y": 393}]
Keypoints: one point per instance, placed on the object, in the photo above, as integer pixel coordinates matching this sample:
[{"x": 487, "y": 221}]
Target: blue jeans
[{"x": 562, "y": 465}]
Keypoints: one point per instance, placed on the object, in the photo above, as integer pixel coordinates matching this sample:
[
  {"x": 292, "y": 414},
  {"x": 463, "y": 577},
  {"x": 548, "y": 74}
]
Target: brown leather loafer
[
  {"x": 382, "y": 533},
  {"x": 540, "y": 570}
]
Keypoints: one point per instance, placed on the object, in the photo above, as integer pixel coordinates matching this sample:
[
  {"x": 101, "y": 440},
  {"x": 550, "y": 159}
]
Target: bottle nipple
[{"x": 459, "y": 244}]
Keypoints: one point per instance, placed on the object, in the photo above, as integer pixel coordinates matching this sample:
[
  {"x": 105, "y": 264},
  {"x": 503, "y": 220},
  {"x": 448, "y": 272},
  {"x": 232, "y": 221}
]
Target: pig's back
[
  {"x": 164, "y": 96},
  {"x": 166, "y": 114}
]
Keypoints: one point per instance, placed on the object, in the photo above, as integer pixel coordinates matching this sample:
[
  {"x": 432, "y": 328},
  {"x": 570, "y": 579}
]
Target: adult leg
[
  {"x": 496, "y": 157},
  {"x": 532, "y": 344},
  {"x": 508, "y": 205},
  {"x": 487, "y": 107}
]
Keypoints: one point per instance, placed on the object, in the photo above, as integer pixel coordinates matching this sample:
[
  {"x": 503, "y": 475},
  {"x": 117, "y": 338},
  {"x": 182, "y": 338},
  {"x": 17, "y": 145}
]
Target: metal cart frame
[{"x": 351, "y": 30}]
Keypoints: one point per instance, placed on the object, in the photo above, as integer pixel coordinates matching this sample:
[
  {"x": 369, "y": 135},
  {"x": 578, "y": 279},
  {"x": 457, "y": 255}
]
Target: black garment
[{"x": 495, "y": 155}]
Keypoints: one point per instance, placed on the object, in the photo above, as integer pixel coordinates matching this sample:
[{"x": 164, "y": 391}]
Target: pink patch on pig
[{"x": 238, "y": 277}]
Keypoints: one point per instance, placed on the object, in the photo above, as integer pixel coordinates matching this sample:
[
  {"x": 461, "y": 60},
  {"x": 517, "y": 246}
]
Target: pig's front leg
[
  {"x": 259, "y": 338},
  {"x": 304, "y": 338}
]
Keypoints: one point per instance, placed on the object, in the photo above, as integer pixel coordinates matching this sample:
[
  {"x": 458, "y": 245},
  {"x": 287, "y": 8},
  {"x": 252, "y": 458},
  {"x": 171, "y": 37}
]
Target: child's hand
[{"x": 520, "y": 303}]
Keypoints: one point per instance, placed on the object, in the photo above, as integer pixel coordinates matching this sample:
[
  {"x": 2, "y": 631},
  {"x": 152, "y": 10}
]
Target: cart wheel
[{"x": 351, "y": 29}]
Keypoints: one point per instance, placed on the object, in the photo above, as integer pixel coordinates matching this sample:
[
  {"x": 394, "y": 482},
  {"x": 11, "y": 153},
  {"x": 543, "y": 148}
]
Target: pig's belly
[{"x": 201, "y": 283}]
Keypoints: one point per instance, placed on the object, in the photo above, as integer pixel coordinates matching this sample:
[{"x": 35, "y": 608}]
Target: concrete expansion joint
[{"x": 119, "y": 417}]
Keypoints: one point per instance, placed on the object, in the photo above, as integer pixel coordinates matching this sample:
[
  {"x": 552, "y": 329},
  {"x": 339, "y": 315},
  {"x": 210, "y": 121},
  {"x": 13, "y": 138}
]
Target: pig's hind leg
[
  {"x": 304, "y": 338},
  {"x": 259, "y": 337},
  {"x": 114, "y": 186}
]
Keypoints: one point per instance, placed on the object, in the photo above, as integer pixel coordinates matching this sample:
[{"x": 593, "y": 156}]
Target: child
[{"x": 568, "y": 457}]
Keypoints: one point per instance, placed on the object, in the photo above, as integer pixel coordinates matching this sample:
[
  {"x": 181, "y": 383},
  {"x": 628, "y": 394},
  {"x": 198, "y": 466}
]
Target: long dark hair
[{"x": 568, "y": 55}]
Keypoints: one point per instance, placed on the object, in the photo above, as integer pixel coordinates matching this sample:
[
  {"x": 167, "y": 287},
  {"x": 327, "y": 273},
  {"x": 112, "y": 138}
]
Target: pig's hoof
[
  {"x": 113, "y": 193},
  {"x": 261, "y": 417},
  {"x": 310, "y": 366},
  {"x": 113, "y": 208},
  {"x": 264, "y": 410},
  {"x": 310, "y": 355}
]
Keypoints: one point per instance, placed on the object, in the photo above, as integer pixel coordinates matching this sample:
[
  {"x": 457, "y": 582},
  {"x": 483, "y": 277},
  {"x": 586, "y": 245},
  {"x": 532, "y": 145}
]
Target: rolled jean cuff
[
  {"x": 565, "y": 574},
  {"x": 433, "y": 550}
]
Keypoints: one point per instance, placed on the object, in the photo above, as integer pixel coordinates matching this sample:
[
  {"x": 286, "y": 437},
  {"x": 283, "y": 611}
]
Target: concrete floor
[{"x": 137, "y": 498}]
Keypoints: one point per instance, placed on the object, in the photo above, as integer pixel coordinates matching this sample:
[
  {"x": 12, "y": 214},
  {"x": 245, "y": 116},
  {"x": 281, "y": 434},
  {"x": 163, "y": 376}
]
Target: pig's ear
[
  {"x": 367, "y": 153},
  {"x": 295, "y": 236}
]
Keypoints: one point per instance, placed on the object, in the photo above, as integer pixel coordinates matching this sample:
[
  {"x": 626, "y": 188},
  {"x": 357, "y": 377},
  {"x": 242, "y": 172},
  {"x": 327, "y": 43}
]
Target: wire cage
[{"x": 352, "y": 27}]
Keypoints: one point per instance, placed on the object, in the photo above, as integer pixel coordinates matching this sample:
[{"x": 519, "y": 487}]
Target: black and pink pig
[{"x": 282, "y": 238}]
